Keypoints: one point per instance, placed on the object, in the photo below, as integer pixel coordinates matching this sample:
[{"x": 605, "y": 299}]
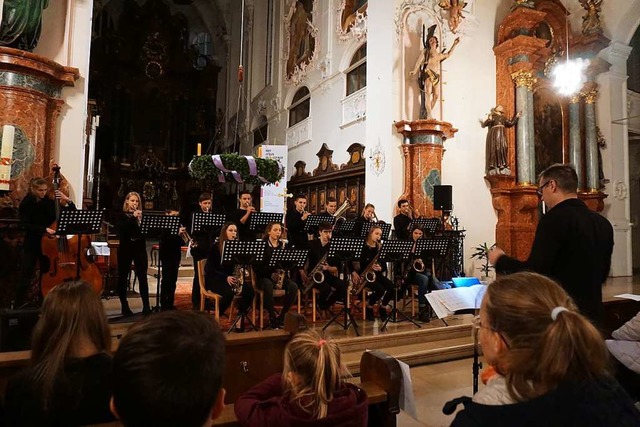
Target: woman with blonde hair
[
  {"x": 133, "y": 248},
  {"x": 68, "y": 380},
  {"x": 551, "y": 364},
  {"x": 310, "y": 392}
]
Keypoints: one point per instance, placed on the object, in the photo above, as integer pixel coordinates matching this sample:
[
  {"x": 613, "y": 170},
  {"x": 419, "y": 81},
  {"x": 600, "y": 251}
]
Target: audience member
[
  {"x": 552, "y": 366},
  {"x": 168, "y": 372},
  {"x": 68, "y": 381},
  {"x": 625, "y": 347},
  {"x": 310, "y": 392}
]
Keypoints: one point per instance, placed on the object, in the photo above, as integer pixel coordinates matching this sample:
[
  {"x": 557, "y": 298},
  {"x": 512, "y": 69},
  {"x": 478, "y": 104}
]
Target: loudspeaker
[
  {"x": 16, "y": 327},
  {"x": 442, "y": 198}
]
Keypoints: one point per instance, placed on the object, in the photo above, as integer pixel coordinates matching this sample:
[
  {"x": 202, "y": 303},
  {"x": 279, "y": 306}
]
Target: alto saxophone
[
  {"x": 368, "y": 275},
  {"x": 316, "y": 275},
  {"x": 280, "y": 273},
  {"x": 240, "y": 274}
]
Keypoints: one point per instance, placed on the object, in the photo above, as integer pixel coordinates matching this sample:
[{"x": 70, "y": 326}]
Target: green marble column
[
  {"x": 591, "y": 141},
  {"x": 525, "y": 147},
  {"x": 575, "y": 145}
]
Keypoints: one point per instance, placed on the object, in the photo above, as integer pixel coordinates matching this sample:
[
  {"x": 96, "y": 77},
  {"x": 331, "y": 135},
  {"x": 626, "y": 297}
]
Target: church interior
[{"x": 370, "y": 102}]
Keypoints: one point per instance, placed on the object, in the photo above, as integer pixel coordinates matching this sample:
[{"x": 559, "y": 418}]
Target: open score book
[{"x": 447, "y": 301}]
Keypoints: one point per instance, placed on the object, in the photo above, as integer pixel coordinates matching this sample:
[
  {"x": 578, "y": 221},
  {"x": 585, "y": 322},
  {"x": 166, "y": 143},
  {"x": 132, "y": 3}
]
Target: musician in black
[
  {"x": 381, "y": 287},
  {"x": 367, "y": 217},
  {"x": 402, "y": 221},
  {"x": 133, "y": 247},
  {"x": 240, "y": 217},
  {"x": 331, "y": 288},
  {"x": 170, "y": 255},
  {"x": 295, "y": 221},
  {"x": 422, "y": 279},
  {"x": 200, "y": 247},
  {"x": 330, "y": 208},
  {"x": 37, "y": 213},
  {"x": 269, "y": 279},
  {"x": 228, "y": 280}
]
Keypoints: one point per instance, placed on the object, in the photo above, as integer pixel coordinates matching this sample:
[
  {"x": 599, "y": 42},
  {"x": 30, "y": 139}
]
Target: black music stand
[
  {"x": 395, "y": 251},
  {"x": 79, "y": 222},
  {"x": 386, "y": 229},
  {"x": 258, "y": 220},
  {"x": 288, "y": 259},
  {"x": 428, "y": 225},
  {"x": 313, "y": 221},
  {"x": 431, "y": 249},
  {"x": 207, "y": 222},
  {"x": 243, "y": 253},
  {"x": 156, "y": 225},
  {"x": 345, "y": 228},
  {"x": 344, "y": 249}
]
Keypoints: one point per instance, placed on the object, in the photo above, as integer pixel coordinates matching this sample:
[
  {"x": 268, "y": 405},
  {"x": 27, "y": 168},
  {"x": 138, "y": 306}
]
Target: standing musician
[
  {"x": 272, "y": 278},
  {"x": 37, "y": 212},
  {"x": 296, "y": 220},
  {"x": 200, "y": 248},
  {"x": 381, "y": 287},
  {"x": 367, "y": 217},
  {"x": 402, "y": 221},
  {"x": 331, "y": 288},
  {"x": 240, "y": 217},
  {"x": 330, "y": 206},
  {"x": 133, "y": 247},
  {"x": 170, "y": 256},
  {"x": 220, "y": 277}
]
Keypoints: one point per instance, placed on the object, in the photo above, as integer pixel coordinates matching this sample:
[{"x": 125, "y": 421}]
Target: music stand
[
  {"x": 79, "y": 222},
  {"x": 344, "y": 249},
  {"x": 258, "y": 220},
  {"x": 288, "y": 259},
  {"x": 345, "y": 228},
  {"x": 394, "y": 251},
  {"x": 386, "y": 229},
  {"x": 207, "y": 222},
  {"x": 313, "y": 221},
  {"x": 428, "y": 225},
  {"x": 156, "y": 225},
  {"x": 431, "y": 249},
  {"x": 243, "y": 253}
]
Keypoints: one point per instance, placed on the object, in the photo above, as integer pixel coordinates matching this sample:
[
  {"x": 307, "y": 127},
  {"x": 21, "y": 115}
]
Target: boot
[{"x": 126, "y": 311}]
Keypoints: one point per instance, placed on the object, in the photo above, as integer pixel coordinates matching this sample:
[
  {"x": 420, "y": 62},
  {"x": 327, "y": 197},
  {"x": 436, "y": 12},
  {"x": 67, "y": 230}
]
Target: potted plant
[{"x": 482, "y": 254}]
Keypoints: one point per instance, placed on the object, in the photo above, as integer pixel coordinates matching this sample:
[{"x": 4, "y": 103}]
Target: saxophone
[
  {"x": 368, "y": 275},
  {"x": 280, "y": 273},
  {"x": 240, "y": 274},
  {"x": 316, "y": 275}
]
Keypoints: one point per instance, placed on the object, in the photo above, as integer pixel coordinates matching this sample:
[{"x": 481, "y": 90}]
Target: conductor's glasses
[{"x": 539, "y": 191}]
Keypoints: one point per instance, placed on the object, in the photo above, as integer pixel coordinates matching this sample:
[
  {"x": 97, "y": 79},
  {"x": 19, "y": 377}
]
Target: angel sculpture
[
  {"x": 591, "y": 21},
  {"x": 428, "y": 69},
  {"x": 455, "y": 12}
]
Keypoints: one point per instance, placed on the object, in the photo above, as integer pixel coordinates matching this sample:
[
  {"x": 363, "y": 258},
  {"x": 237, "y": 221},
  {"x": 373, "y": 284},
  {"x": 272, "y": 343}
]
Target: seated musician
[
  {"x": 200, "y": 248},
  {"x": 402, "y": 221},
  {"x": 228, "y": 280},
  {"x": 381, "y": 287},
  {"x": 331, "y": 287},
  {"x": 240, "y": 217},
  {"x": 295, "y": 221},
  {"x": 37, "y": 213},
  {"x": 421, "y": 279},
  {"x": 368, "y": 217},
  {"x": 170, "y": 255},
  {"x": 269, "y": 279}
]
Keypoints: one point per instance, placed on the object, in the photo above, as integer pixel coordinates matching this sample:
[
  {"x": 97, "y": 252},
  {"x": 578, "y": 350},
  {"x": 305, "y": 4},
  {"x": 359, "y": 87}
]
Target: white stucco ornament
[{"x": 377, "y": 161}]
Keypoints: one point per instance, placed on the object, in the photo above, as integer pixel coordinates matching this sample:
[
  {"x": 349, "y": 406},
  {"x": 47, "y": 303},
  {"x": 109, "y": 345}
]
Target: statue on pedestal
[
  {"x": 428, "y": 69},
  {"x": 497, "y": 162},
  {"x": 21, "y": 23}
]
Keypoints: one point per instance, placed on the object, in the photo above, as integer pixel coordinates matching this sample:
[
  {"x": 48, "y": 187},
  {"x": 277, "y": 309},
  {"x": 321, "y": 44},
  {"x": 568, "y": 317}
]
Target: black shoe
[
  {"x": 382, "y": 312},
  {"x": 126, "y": 312},
  {"x": 274, "y": 323},
  {"x": 424, "y": 316},
  {"x": 146, "y": 311},
  {"x": 369, "y": 313}
]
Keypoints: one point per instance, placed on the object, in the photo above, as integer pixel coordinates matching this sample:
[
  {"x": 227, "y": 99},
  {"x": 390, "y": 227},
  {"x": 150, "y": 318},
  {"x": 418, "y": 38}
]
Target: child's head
[{"x": 312, "y": 372}]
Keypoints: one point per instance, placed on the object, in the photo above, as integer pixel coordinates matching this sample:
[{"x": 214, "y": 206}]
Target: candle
[
  {"x": 99, "y": 165},
  {"x": 199, "y": 149},
  {"x": 6, "y": 154}
]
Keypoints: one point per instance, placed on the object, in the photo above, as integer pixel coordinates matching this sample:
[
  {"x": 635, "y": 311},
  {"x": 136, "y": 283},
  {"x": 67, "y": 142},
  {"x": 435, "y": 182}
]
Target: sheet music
[
  {"x": 438, "y": 308},
  {"x": 454, "y": 299},
  {"x": 629, "y": 296},
  {"x": 407, "y": 398}
]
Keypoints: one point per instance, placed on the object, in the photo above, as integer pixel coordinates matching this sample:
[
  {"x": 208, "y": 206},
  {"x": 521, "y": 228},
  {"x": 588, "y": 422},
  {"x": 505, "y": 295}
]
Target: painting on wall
[
  {"x": 302, "y": 40},
  {"x": 548, "y": 128}
]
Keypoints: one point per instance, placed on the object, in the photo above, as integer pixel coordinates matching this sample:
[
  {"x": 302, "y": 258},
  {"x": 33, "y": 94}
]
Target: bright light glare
[{"x": 568, "y": 76}]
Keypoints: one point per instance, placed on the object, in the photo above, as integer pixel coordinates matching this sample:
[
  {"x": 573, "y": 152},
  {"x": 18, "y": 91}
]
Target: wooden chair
[
  {"x": 277, "y": 293},
  {"x": 207, "y": 294},
  {"x": 316, "y": 292}
]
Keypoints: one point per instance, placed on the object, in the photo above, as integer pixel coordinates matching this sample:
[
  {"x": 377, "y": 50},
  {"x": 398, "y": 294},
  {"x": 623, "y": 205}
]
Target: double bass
[{"x": 67, "y": 255}]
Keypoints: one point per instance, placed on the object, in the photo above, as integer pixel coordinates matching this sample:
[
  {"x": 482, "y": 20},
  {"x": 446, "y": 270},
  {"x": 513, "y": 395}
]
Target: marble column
[
  {"x": 525, "y": 147},
  {"x": 575, "y": 142},
  {"x": 591, "y": 141}
]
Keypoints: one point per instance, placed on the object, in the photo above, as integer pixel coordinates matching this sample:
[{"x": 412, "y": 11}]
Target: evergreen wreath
[{"x": 202, "y": 167}]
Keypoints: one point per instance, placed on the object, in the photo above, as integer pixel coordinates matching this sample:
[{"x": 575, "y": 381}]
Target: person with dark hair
[
  {"x": 311, "y": 391},
  {"x": 170, "y": 254},
  {"x": 549, "y": 364},
  {"x": 168, "y": 371},
  {"x": 331, "y": 288},
  {"x": 241, "y": 216},
  {"x": 227, "y": 279},
  {"x": 402, "y": 221},
  {"x": 37, "y": 213},
  {"x": 200, "y": 248},
  {"x": 295, "y": 221},
  {"x": 68, "y": 382},
  {"x": 572, "y": 245},
  {"x": 133, "y": 248}
]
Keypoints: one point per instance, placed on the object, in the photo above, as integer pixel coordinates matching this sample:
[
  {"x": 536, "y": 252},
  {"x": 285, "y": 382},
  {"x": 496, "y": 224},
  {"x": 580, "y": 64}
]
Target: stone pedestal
[
  {"x": 423, "y": 149},
  {"x": 30, "y": 100}
]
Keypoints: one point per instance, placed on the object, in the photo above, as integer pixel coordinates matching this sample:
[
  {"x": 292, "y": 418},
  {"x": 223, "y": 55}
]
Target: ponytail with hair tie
[{"x": 557, "y": 310}]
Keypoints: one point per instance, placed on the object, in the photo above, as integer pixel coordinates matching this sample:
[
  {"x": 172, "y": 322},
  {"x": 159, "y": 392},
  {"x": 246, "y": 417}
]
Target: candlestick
[
  {"x": 99, "y": 165},
  {"x": 199, "y": 149}
]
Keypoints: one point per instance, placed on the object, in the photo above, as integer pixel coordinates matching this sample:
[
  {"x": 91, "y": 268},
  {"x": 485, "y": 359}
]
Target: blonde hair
[
  {"x": 129, "y": 194},
  {"x": 542, "y": 352},
  {"x": 70, "y": 312},
  {"x": 37, "y": 182},
  {"x": 316, "y": 362}
]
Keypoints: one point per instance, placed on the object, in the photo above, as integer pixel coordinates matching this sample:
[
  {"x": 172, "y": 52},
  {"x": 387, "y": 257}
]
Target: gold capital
[
  {"x": 524, "y": 78},
  {"x": 575, "y": 98},
  {"x": 591, "y": 96}
]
